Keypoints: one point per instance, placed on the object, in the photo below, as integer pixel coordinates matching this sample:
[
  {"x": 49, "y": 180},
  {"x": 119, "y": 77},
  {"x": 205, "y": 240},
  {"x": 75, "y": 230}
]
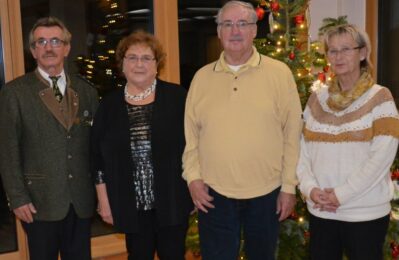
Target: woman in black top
[{"x": 137, "y": 144}]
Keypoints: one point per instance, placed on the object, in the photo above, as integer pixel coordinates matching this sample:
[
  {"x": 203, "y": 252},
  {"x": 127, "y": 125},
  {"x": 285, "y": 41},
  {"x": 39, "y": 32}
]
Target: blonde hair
[{"x": 360, "y": 37}]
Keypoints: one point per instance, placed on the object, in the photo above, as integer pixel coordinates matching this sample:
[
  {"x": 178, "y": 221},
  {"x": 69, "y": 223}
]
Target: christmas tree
[{"x": 288, "y": 41}]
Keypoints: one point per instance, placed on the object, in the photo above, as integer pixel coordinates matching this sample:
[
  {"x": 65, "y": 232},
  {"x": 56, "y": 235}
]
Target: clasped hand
[{"x": 325, "y": 200}]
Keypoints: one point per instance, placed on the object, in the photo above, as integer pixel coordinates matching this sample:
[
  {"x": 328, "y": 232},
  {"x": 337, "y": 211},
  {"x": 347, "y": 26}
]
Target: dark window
[{"x": 388, "y": 42}]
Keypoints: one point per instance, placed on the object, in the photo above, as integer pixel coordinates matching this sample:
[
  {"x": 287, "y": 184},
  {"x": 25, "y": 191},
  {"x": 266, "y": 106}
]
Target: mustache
[
  {"x": 235, "y": 38},
  {"x": 48, "y": 54}
]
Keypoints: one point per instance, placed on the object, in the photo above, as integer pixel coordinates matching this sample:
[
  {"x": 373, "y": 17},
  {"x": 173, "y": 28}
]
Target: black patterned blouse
[{"x": 140, "y": 143}]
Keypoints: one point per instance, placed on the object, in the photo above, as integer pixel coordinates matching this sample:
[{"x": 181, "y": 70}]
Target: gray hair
[
  {"x": 49, "y": 22},
  {"x": 360, "y": 37},
  {"x": 249, "y": 7}
]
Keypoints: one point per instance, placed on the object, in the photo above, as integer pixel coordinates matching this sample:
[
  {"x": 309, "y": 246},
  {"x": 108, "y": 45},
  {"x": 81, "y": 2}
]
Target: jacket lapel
[
  {"x": 72, "y": 99},
  {"x": 64, "y": 112}
]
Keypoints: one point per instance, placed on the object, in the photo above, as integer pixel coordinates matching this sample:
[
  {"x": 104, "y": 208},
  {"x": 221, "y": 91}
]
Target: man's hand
[
  {"x": 200, "y": 196},
  {"x": 285, "y": 205},
  {"x": 24, "y": 213}
]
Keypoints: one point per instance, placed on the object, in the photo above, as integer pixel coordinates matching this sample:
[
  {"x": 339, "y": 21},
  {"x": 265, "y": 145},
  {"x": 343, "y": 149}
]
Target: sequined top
[{"x": 140, "y": 143}]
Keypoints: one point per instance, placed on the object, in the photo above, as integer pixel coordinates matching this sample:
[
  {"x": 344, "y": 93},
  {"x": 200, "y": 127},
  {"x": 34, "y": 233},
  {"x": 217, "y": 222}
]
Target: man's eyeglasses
[
  {"x": 346, "y": 51},
  {"x": 42, "y": 42},
  {"x": 145, "y": 59},
  {"x": 239, "y": 25}
]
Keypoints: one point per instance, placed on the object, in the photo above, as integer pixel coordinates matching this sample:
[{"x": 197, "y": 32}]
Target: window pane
[
  {"x": 388, "y": 42},
  {"x": 96, "y": 27},
  {"x": 197, "y": 31}
]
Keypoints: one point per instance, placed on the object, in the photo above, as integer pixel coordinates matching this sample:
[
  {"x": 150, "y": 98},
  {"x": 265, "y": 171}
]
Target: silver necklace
[{"x": 143, "y": 95}]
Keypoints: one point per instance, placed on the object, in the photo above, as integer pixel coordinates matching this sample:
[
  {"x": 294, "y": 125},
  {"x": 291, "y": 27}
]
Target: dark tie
[{"x": 56, "y": 89}]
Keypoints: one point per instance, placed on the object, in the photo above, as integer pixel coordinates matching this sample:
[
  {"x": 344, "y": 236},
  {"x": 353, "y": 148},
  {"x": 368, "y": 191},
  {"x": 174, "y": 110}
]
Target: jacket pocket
[{"x": 30, "y": 178}]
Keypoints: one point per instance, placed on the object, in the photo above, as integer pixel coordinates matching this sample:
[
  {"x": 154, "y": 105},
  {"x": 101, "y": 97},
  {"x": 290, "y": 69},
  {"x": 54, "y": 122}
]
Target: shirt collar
[
  {"x": 45, "y": 75},
  {"x": 253, "y": 61}
]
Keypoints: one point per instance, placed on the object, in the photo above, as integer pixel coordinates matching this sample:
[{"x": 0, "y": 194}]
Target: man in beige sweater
[{"x": 242, "y": 126}]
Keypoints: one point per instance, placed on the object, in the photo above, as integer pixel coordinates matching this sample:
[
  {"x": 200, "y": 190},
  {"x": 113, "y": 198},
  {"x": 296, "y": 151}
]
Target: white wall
[{"x": 320, "y": 9}]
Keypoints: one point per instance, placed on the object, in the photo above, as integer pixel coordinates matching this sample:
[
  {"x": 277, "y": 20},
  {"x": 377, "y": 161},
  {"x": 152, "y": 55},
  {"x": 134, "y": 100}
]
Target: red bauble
[
  {"x": 395, "y": 174},
  {"x": 299, "y": 19},
  {"x": 321, "y": 76},
  {"x": 326, "y": 68},
  {"x": 291, "y": 56},
  {"x": 260, "y": 12},
  {"x": 394, "y": 250},
  {"x": 274, "y": 6}
]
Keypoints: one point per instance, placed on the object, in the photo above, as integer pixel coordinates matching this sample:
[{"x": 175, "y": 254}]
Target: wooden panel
[
  {"x": 6, "y": 41},
  {"x": 14, "y": 54},
  {"x": 166, "y": 30},
  {"x": 372, "y": 30}
]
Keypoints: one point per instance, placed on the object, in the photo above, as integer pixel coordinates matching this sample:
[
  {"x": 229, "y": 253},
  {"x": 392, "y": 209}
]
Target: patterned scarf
[{"x": 339, "y": 100}]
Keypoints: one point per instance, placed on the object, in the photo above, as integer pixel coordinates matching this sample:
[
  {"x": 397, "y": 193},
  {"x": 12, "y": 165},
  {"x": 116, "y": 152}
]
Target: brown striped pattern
[
  {"x": 324, "y": 117},
  {"x": 383, "y": 126}
]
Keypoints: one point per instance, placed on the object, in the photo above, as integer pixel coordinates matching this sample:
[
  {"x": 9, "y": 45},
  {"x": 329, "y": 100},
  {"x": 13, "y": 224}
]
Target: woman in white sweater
[{"x": 349, "y": 142}]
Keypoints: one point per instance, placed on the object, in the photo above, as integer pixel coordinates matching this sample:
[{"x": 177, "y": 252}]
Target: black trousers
[
  {"x": 69, "y": 237},
  {"x": 167, "y": 241},
  {"x": 330, "y": 239}
]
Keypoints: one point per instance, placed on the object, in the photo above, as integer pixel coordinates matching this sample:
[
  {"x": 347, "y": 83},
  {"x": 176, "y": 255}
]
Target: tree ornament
[
  {"x": 395, "y": 175},
  {"x": 294, "y": 215},
  {"x": 291, "y": 56},
  {"x": 299, "y": 19},
  {"x": 260, "y": 12},
  {"x": 274, "y": 6},
  {"x": 326, "y": 68},
  {"x": 394, "y": 250},
  {"x": 262, "y": 3},
  {"x": 321, "y": 76}
]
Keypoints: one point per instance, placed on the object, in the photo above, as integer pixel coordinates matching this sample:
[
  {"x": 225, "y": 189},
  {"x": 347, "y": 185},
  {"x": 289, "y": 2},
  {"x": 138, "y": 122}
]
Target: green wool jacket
[{"x": 44, "y": 146}]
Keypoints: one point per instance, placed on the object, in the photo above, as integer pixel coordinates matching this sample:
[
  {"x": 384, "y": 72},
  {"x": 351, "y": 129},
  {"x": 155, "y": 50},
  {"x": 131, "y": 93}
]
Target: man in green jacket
[{"x": 45, "y": 119}]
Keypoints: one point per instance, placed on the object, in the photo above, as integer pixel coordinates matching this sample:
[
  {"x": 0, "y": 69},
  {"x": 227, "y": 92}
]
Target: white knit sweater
[{"x": 351, "y": 151}]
